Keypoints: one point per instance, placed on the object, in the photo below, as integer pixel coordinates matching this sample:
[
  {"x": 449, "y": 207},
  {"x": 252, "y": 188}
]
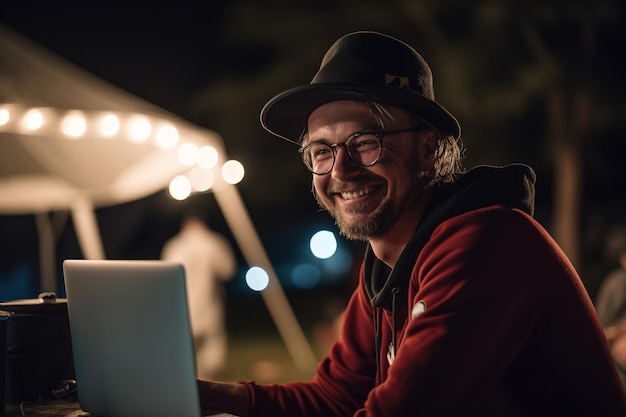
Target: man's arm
[{"x": 228, "y": 397}]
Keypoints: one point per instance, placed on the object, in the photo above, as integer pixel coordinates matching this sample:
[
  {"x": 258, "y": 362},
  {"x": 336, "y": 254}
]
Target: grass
[{"x": 256, "y": 348}]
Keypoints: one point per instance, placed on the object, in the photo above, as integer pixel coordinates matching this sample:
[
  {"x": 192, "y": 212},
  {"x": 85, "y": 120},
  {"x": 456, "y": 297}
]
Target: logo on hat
[{"x": 396, "y": 81}]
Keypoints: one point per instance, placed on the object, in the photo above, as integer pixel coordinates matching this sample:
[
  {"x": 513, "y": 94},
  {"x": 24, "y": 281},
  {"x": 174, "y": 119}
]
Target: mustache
[{"x": 336, "y": 187}]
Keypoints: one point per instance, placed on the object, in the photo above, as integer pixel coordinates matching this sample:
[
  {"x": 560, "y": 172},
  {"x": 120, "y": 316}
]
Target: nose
[{"x": 344, "y": 166}]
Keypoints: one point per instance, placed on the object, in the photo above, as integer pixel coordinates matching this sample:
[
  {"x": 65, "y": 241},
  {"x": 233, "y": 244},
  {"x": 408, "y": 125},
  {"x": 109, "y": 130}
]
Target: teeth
[{"x": 355, "y": 194}]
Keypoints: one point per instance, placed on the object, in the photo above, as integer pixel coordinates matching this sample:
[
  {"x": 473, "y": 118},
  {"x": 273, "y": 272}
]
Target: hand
[{"x": 227, "y": 397}]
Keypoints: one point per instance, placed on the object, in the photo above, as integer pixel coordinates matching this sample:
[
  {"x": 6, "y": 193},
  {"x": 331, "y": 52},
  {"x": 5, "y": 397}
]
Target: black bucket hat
[{"x": 361, "y": 66}]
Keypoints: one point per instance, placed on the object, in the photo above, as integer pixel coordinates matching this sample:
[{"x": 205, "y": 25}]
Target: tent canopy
[
  {"x": 54, "y": 155},
  {"x": 46, "y": 169}
]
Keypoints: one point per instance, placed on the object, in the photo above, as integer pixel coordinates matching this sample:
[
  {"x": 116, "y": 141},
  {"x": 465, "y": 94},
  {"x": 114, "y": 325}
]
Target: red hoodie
[{"x": 482, "y": 316}]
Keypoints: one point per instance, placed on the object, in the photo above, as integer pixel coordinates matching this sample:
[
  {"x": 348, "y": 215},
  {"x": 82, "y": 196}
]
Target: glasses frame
[{"x": 333, "y": 147}]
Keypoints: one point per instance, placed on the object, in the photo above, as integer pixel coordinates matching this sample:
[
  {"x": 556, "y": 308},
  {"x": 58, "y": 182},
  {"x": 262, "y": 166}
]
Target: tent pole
[
  {"x": 86, "y": 226},
  {"x": 47, "y": 253},
  {"x": 237, "y": 217}
]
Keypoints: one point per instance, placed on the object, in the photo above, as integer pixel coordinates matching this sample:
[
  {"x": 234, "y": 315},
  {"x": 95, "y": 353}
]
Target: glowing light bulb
[
  {"x": 233, "y": 171},
  {"x": 188, "y": 154},
  {"x": 139, "y": 130},
  {"x": 167, "y": 136},
  {"x": 33, "y": 119},
  {"x": 207, "y": 157},
  {"x": 74, "y": 125},
  {"x": 5, "y": 116},
  {"x": 201, "y": 179},
  {"x": 109, "y": 125},
  {"x": 180, "y": 187}
]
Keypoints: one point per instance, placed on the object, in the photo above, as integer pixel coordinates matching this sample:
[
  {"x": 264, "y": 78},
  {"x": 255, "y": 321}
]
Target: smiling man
[
  {"x": 465, "y": 305},
  {"x": 368, "y": 204}
]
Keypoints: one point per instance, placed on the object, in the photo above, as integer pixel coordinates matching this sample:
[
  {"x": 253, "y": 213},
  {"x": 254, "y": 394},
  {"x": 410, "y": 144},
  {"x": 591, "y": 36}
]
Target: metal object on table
[{"x": 38, "y": 347}]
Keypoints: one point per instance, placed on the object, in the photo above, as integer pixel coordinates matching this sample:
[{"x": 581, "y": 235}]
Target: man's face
[{"x": 367, "y": 202}]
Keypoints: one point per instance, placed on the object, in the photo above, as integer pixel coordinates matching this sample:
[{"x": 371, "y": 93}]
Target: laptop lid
[{"x": 131, "y": 338}]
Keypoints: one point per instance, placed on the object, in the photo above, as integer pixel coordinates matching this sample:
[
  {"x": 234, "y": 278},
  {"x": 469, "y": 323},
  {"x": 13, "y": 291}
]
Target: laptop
[{"x": 131, "y": 338}]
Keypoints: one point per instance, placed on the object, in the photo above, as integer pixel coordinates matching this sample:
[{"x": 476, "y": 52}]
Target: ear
[{"x": 426, "y": 150}]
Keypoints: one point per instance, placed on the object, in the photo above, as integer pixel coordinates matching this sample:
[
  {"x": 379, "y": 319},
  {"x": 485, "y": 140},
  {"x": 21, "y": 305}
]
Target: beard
[
  {"x": 375, "y": 225},
  {"x": 365, "y": 226},
  {"x": 359, "y": 223}
]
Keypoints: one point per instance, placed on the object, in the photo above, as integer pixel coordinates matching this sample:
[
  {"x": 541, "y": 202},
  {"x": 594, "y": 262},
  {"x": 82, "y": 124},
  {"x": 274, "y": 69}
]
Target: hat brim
[{"x": 286, "y": 115}]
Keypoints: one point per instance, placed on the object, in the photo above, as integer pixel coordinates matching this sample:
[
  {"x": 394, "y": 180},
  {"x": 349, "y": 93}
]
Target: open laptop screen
[{"x": 131, "y": 338}]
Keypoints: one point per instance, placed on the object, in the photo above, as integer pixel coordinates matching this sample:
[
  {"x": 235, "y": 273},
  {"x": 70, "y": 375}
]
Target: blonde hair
[{"x": 448, "y": 149}]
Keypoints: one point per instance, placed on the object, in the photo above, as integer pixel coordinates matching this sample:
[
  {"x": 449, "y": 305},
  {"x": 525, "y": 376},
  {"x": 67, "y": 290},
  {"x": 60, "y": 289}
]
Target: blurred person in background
[
  {"x": 611, "y": 299},
  {"x": 209, "y": 262},
  {"x": 465, "y": 304}
]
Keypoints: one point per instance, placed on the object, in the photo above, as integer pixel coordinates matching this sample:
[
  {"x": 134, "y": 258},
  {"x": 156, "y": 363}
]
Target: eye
[
  {"x": 365, "y": 143},
  {"x": 318, "y": 151}
]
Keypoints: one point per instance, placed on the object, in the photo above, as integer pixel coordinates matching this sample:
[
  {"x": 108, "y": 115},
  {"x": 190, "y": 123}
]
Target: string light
[
  {"x": 208, "y": 157},
  {"x": 33, "y": 120},
  {"x": 167, "y": 136},
  {"x": 109, "y": 125},
  {"x": 139, "y": 129},
  {"x": 5, "y": 116},
  {"x": 233, "y": 171},
  {"x": 74, "y": 125},
  {"x": 188, "y": 154},
  {"x": 136, "y": 128}
]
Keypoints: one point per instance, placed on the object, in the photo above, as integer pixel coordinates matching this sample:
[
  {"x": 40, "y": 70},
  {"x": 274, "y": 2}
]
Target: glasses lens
[
  {"x": 364, "y": 149},
  {"x": 318, "y": 157}
]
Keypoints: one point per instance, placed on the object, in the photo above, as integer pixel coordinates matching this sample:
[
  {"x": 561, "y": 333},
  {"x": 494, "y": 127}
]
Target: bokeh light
[
  {"x": 109, "y": 125},
  {"x": 323, "y": 244},
  {"x": 257, "y": 278},
  {"x": 5, "y": 116},
  {"x": 232, "y": 171},
  {"x": 188, "y": 154},
  {"x": 74, "y": 125},
  {"x": 139, "y": 129},
  {"x": 33, "y": 119},
  {"x": 201, "y": 179},
  {"x": 180, "y": 187},
  {"x": 306, "y": 276},
  {"x": 167, "y": 136},
  {"x": 207, "y": 157}
]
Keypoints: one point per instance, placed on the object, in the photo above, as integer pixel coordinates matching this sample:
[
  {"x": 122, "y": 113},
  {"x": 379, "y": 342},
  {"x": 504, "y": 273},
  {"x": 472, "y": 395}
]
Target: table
[
  {"x": 56, "y": 408},
  {"x": 60, "y": 408}
]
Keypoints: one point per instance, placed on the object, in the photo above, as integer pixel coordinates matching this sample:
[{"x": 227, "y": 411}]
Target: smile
[{"x": 351, "y": 195}]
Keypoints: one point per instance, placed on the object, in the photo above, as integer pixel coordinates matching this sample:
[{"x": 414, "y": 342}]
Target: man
[
  {"x": 209, "y": 263},
  {"x": 465, "y": 306}
]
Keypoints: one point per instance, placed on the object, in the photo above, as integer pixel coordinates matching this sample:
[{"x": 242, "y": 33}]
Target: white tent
[
  {"x": 56, "y": 154},
  {"x": 42, "y": 168}
]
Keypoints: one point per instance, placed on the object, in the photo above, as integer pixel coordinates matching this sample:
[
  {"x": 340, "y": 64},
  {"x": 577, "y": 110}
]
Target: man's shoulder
[{"x": 493, "y": 216}]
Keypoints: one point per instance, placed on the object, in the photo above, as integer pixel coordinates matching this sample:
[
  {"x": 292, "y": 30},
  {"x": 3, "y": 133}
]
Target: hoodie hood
[{"x": 512, "y": 186}]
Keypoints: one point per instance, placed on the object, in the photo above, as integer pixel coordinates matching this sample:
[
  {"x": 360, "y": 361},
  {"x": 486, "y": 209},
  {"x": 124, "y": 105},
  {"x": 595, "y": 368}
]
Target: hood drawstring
[
  {"x": 391, "y": 353},
  {"x": 377, "y": 318}
]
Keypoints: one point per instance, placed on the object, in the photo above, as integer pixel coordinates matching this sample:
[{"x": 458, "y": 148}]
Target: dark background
[{"x": 216, "y": 63}]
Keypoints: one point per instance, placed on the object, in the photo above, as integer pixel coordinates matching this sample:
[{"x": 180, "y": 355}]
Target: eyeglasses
[{"x": 363, "y": 148}]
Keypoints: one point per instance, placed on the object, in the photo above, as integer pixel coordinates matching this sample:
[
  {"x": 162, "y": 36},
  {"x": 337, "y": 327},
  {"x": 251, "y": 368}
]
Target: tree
[
  {"x": 506, "y": 58},
  {"x": 530, "y": 82}
]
